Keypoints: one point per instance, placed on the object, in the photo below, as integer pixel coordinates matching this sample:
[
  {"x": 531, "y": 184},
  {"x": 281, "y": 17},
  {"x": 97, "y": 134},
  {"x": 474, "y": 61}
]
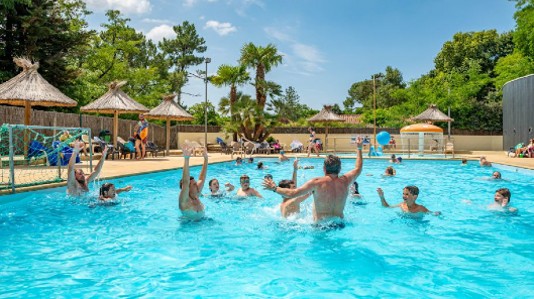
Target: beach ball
[{"x": 383, "y": 138}]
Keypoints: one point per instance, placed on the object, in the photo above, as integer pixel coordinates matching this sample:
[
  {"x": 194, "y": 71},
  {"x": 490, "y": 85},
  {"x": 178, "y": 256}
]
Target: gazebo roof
[
  {"x": 30, "y": 87},
  {"x": 326, "y": 115},
  {"x": 168, "y": 109},
  {"x": 421, "y": 128},
  {"x": 115, "y": 100},
  {"x": 432, "y": 114}
]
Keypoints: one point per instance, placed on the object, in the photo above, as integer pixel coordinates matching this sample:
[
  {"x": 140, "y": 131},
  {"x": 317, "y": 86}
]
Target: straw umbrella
[
  {"x": 29, "y": 89},
  {"x": 433, "y": 114},
  {"x": 326, "y": 116},
  {"x": 168, "y": 110},
  {"x": 115, "y": 102}
]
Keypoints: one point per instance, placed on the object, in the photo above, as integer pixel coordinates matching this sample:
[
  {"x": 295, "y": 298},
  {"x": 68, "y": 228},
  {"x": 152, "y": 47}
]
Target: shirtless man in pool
[
  {"x": 329, "y": 191},
  {"x": 188, "y": 200},
  {"x": 77, "y": 180}
]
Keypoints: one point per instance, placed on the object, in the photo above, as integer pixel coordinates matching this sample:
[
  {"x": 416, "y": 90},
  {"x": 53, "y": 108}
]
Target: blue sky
[{"x": 326, "y": 45}]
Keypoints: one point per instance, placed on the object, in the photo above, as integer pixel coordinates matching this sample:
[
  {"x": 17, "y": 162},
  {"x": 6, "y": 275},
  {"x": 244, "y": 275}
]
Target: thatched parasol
[
  {"x": 115, "y": 102},
  {"x": 29, "y": 88},
  {"x": 432, "y": 114},
  {"x": 326, "y": 116},
  {"x": 168, "y": 110}
]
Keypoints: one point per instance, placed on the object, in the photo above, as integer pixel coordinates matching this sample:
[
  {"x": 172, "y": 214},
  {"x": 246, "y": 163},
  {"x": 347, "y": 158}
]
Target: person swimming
[
  {"x": 409, "y": 195},
  {"x": 215, "y": 190}
]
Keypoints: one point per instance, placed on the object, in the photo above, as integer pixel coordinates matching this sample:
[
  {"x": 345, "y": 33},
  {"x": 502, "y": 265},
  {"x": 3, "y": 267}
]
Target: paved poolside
[{"x": 126, "y": 167}]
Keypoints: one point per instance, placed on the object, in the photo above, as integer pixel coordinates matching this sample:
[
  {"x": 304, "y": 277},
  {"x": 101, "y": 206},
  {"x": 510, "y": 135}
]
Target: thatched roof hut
[
  {"x": 326, "y": 116},
  {"x": 432, "y": 114},
  {"x": 168, "y": 110},
  {"x": 29, "y": 88},
  {"x": 115, "y": 102}
]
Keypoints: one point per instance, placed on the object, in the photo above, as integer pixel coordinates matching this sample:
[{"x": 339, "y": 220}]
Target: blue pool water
[{"x": 55, "y": 246}]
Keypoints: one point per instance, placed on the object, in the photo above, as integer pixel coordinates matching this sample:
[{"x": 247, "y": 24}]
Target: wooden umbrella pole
[
  {"x": 167, "y": 137},
  {"x": 115, "y": 127},
  {"x": 27, "y": 113}
]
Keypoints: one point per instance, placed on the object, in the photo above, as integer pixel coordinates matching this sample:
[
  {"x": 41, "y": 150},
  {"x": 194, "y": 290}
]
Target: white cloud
[
  {"x": 221, "y": 28},
  {"x": 305, "y": 59},
  {"x": 125, "y": 6},
  {"x": 190, "y": 3},
  {"x": 277, "y": 34},
  {"x": 157, "y": 34},
  {"x": 156, "y": 21}
]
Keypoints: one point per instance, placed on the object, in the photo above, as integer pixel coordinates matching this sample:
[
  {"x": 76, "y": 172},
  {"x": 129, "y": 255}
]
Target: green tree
[
  {"x": 232, "y": 76},
  {"x": 261, "y": 59},
  {"x": 197, "y": 111},
  {"x": 524, "y": 33},
  {"x": 47, "y": 31},
  {"x": 286, "y": 107},
  {"x": 181, "y": 54}
]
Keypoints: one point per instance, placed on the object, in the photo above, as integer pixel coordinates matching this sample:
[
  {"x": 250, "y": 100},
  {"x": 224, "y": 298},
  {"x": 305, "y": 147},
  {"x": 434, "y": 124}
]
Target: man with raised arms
[
  {"x": 77, "y": 180},
  {"x": 329, "y": 191},
  {"x": 189, "y": 198}
]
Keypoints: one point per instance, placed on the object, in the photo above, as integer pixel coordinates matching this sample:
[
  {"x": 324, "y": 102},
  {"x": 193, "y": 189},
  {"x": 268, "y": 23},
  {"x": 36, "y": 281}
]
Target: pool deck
[{"x": 126, "y": 167}]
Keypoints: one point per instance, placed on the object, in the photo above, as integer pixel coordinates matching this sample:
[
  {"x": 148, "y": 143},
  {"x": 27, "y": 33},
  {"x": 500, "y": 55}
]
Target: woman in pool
[
  {"x": 215, "y": 190},
  {"x": 188, "y": 200}
]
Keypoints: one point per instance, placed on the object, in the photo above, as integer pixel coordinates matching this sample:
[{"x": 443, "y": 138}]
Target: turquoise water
[{"x": 54, "y": 246}]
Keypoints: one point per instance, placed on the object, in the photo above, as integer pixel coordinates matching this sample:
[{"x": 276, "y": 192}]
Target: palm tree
[
  {"x": 232, "y": 76},
  {"x": 262, "y": 59}
]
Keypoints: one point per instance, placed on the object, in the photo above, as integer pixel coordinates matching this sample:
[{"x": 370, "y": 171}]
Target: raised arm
[
  {"x": 184, "y": 193},
  {"x": 295, "y": 168},
  {"x": 124, "y": 189},
  {"x": 358, "y": 165},
  {"x": 383, "y": 199},
  {"x": 202, "y": 176},
  {"x": 98, "y": 167},
  {"x": 308, "y": 187},
  {"x": 71, "y": 177}
]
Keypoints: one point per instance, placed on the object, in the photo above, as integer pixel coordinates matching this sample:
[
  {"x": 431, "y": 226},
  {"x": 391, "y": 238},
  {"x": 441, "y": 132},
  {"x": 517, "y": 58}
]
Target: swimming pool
[{"x": 53, "y": 246}]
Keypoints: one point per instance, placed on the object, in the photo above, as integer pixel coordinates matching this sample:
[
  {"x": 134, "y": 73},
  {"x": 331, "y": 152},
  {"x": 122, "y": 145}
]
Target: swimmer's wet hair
[
  {"x": 105, "y": 188},
  {"x": 413, "y": 190},
  {"x": 285, "y": 183},
  {"x": 332, "y": 164},
  {"x": 505, "y": 192}
]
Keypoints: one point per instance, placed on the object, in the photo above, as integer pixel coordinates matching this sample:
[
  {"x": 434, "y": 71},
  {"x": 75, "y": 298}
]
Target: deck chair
[
  {"x": 125, "y": 148},
  {"x": 86, "y": 140},
  {"x": 225, "y": 149},
  {"x": 100, "y": 144},
  {"x": 65, "y": 152},
  {"x": 152, "y": 148},
  {"x": 296, "y": 146},
  {"x": 196, "y": 148},
  {"x": 237, "y": 149},
  {"x": 37, "y": 151},
  {"x": 449, "y": 148},
  {"x": 266, "y": 148}
]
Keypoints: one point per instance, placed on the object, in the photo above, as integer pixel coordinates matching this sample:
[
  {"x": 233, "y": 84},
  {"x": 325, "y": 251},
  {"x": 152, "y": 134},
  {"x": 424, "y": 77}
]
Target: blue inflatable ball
[{"x": 383, "y": 138}]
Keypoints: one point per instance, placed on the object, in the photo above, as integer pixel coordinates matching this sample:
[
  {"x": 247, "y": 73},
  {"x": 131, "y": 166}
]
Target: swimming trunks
[{"x": 193, "y": 215}]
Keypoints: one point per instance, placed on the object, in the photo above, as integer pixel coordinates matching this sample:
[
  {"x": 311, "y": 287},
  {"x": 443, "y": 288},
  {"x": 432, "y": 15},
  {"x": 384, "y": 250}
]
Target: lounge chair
[
  {"x": 237, "y": 149},
  {"x": 153, "y": 149},
  {"x": 266, "y": 148},
  {"x": 225, "y": 149},
  {"x": 100, "y": 144},
  {"x": 38, "y": 151},
  {"x": 296, "y": 146},
  {"x": 197, "y": 148},
  {"x": 125, "y": 148}
]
